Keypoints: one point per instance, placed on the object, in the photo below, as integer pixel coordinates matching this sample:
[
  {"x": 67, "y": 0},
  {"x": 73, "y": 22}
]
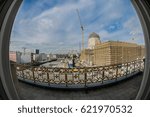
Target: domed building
[
  {"x": 109, "y": 53},
  {"x": 93, "y": 40}
]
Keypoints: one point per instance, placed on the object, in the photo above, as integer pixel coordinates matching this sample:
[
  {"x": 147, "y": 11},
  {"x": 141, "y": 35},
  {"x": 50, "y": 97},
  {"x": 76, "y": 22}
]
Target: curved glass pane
[{"x": 78, "y": 43}]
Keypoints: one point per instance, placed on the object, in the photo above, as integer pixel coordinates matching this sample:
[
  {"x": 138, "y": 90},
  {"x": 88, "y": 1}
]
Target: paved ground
[{"x": 122, "y": 90}]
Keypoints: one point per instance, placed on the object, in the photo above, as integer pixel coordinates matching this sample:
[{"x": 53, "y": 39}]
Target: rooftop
[{"x": 94, "y": 35}]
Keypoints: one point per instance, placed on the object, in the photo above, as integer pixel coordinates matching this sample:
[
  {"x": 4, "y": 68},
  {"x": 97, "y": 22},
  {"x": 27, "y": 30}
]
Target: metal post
[
  {"x": 103, "y": 74},
  {"x": 117, "y": 72},
  {"x": 127, "y": 70},
  {"x": 48, "y": 78},
  {"x": 85, "y": 78},
  {"x": 33, "y": 74},
  {"x": 66, "y": 79},
  {"x": 23, "y": 75},
  {"x": 143, "y": 64},
  {"x": 140, "y": 65},
  {"x": 134, "y": 65}
]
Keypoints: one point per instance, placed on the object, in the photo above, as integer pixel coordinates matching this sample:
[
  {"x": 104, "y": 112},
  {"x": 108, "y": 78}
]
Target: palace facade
[{"x": 111, "y": 52}]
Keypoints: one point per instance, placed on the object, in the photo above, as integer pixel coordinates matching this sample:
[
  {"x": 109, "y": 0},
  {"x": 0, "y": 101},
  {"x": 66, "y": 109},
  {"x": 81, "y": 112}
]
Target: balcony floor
[{"x": 126, "y": 90}]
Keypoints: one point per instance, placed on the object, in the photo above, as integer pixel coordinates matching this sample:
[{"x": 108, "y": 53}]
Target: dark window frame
[{"x": 8, "y": 10}]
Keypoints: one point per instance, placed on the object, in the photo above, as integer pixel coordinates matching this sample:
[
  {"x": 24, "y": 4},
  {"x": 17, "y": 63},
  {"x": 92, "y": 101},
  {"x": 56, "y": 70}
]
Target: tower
[{"x": 94, "y": 39}]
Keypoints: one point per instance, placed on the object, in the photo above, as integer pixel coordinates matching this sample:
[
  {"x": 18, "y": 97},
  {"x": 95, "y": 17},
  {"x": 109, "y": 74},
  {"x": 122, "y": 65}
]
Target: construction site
[{"x": 111, "y": 52}]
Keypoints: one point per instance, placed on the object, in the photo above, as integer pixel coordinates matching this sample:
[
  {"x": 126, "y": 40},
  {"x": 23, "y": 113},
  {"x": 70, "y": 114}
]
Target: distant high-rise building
[{"x": 37, "y": 51}]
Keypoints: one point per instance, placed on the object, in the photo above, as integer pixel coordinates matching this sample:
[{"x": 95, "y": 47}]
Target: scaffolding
[{"x": 113, "y": 52}]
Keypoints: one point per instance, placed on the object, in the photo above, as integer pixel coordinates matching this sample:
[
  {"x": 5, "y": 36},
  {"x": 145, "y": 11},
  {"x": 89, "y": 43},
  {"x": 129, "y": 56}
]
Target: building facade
[
  {"x": 111, "y": 52},
  {"x": 115, "y": 52},
  {"x": 19, "y": 57}
]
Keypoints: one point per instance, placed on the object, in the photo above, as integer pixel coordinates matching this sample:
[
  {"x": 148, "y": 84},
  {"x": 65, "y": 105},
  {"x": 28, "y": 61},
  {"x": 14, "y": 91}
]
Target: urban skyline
[
  {"x": 106, "y": 37},
  {"x": 53, "y": 25}
]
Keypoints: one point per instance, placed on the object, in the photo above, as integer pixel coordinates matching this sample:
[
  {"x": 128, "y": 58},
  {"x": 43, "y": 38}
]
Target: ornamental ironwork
[{"x": 77, "y": 77}]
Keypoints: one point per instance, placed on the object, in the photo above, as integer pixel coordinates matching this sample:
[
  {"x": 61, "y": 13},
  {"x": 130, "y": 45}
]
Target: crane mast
[{"x": 82, "y": 29}]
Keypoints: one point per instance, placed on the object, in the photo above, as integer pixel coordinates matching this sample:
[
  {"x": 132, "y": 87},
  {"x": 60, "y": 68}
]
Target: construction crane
[{"x": 82, "y": 29}]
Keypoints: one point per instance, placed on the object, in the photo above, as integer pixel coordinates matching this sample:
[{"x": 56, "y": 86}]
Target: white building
[
  {"x": 51, "y": 56},
  {"x": 20, "y": 57},
  {"x": 25, "y": 57},
  {"x": 36, "y": 57},
  {"x": 42, "y": 57}
]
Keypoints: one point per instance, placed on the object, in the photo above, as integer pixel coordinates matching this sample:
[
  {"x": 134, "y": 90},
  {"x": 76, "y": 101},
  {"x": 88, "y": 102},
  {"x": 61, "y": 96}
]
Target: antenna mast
[{"x": 82, "y": 29}]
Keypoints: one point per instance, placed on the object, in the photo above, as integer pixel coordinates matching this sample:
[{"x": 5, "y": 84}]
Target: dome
[
  {"x": 94, "y": 39},
  {"x": 94, "y": 35}
]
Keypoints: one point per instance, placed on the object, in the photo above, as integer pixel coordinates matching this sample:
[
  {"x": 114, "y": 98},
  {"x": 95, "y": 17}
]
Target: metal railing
[{"x": 77, "y": 77}]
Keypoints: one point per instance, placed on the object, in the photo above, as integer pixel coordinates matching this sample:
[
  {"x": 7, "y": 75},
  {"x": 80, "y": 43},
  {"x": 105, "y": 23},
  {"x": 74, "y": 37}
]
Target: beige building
[
  {"x": 87, "y": 56},
  {"x": 112, "y": 52}
]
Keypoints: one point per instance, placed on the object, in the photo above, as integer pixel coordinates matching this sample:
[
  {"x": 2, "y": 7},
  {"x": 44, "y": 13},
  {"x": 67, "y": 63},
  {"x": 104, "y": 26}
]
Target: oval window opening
[{"x": 95, "y": 47}]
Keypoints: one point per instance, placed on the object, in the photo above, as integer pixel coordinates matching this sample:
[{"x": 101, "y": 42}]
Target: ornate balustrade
[{"x": 77, "y": 77}]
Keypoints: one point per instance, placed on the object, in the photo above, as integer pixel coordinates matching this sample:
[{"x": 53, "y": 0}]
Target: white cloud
[
  {"x": 58, "y": 27},
  {"x": 131, "y": 29}
]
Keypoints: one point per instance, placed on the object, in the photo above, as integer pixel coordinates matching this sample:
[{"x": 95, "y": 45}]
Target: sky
[{"x": 53, "y": 25}]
